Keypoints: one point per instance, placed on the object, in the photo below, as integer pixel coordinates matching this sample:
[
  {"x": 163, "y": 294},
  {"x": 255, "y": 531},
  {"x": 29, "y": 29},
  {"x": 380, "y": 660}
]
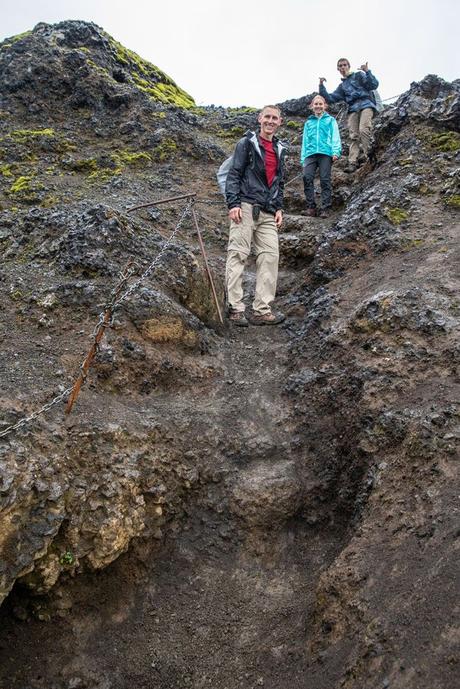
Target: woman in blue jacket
[{"x": 321, "y": 146}]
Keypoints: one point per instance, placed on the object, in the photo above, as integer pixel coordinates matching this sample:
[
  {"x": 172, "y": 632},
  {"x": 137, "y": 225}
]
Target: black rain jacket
[{"x": 247, "y": 179}]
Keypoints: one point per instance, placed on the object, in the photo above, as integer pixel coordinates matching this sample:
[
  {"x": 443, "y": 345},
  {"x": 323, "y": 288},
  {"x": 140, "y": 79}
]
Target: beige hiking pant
[
  {"x": 360, "y": 128},
  {"x": 264, "y": 234}
]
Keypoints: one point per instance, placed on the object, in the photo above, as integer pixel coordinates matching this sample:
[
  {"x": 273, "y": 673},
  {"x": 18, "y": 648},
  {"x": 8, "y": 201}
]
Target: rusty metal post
[
  {"x": 87, "y": 362},
  {"x": 99, "y": 334},
  {"x": 208, "y": 271}
]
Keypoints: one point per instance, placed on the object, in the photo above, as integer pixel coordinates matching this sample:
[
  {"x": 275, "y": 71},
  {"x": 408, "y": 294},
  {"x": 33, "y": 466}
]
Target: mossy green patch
[
  {"x": 16, "y": 295},
  {"x": 26, "y": 189},
  {"x": 14, "y": 39},
  {"x": 20, "y": 184},
  {"x": 98, "y": 68},
  {"x": 445, "y": 141},
  {"x": 406, "y": 162},
  {"x": 135, "y": 158},
  {"x": 170, "y": 93},
  {"x": 6, "y": 171},
  {"x": 84, "y": 165},
  {"x": 23, "y": 135},
  {"x": 243, "y": 110},
  {"x": 235, "y": 132},
  {"x": 104, "y": 174},
  {"x": 396, "y": 215},
  {"x": 49, "y": 201},
  {"x": 165, "y": 150},
  {"x": 292, "y": 124},
  {"x": 409, "y": 244},
  {"x": 120, "y": 159},
  {"x": 453, "y": 201}
]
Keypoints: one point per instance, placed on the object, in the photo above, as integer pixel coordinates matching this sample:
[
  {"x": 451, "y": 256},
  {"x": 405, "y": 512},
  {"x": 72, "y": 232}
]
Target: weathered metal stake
[
  {"x": 98, "y": 335},
  {"x": 205, "y": 259}
]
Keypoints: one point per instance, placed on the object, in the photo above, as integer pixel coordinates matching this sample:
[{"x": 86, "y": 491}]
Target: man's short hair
[
  {"x": 343, "y": 59},
  {"x": 273, "y": 107}
]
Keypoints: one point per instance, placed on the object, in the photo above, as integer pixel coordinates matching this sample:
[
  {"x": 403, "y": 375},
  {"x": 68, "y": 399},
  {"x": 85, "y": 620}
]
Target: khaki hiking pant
[
  {"x": 264, "y": 233},
  {"x": 360, "y": 128}
]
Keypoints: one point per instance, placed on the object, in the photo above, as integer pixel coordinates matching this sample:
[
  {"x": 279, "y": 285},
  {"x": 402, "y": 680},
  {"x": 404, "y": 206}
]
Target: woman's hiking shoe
[
  {"x": 238, "y": 318},
  {"x": 324, "y": 213},
  {"x": 311, "y": 212},
  {"x": 267, "y": 318}
]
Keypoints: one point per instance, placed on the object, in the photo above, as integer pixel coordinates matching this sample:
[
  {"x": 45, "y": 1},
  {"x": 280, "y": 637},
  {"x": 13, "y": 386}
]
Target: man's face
[
  {"x": 344, "y": 67},
  {"x": 318, "y": 106},
  {"x": 269, "y": 120}
]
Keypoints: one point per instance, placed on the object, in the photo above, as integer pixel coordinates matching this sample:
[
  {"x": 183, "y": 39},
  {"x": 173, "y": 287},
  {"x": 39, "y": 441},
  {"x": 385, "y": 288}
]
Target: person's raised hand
[
  {"x": 322, "y": 80},
  {"x": 364, "y": 67}
]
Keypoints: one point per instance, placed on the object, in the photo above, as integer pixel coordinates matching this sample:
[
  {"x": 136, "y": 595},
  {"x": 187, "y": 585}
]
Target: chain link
[
  {"x": 34, "y": 415},
  {"x": 111, "y": 305},
  {"x": 156, "y": 260}
]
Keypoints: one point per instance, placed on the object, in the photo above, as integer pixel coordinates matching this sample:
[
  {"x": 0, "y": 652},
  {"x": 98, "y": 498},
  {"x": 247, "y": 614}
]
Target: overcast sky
[{"x": 232, "y": 52}]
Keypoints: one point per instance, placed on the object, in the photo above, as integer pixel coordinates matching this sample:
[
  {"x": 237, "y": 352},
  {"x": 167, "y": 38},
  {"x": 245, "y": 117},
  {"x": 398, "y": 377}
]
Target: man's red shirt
[{"x": 271, "y": 162}]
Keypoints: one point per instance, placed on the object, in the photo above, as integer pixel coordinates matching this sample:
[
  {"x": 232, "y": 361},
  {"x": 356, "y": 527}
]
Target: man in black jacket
[{"x": 254, "y": 194}]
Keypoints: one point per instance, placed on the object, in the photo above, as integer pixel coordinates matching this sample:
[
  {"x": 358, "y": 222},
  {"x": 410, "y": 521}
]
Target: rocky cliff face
[{"x": 226, "y": 509}]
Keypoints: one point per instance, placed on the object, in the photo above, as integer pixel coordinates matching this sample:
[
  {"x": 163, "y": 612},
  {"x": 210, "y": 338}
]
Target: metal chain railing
[
  {"x": 156, "y": 260},
  {"x": 115, "y": 300},
  {"x": 27, "y": 419}
]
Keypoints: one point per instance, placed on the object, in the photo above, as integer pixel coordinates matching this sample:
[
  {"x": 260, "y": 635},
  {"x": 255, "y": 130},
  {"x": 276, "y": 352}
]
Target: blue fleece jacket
[
  {"x": 320, "y": 135},
  {"x": 356, "y": 90}
]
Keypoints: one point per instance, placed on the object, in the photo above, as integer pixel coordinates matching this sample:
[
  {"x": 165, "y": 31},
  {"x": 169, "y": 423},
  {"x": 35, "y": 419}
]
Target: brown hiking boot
[
  {"x": 324, "y": 213},
  {"x": 238, "y": 318},
  {"x": 311, "y": 212},
  {"x": 267, "y": 318}
]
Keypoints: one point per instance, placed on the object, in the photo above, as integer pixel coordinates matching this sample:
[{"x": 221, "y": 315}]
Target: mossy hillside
[
  {"x": 8, "y": 42},
  {"x": 148, "y": 78}
]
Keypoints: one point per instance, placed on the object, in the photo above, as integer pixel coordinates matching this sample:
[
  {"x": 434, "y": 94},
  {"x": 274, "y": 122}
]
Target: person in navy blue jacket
[
  {"x": 321, "y": 146},
  {"x": 356, "y": 90}
]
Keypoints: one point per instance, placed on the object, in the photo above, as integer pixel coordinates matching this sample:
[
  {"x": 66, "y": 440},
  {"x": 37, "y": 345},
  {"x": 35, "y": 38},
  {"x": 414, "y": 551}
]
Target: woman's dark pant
[{"x": 324, "y": 163}]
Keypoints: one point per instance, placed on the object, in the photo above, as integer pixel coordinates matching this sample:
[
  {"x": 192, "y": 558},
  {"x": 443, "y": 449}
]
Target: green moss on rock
[
  {"x": 396, "y": 215},
  {"x": 292, "y": 124},
  {"x": 5, "y": 171},
  {"x": 445, "y": 142},
  {"x": 243, "y": 110},
  {"x": 25, "y": 189},
  {"x": 165, "y": 150},
  {"x": 23, "y": 135},
  {"x": 232, "y": 133},
  {"x": 453, "y": 201},
  {"x": 149, "y": 79},
  {"x": 135, "y": 158}
]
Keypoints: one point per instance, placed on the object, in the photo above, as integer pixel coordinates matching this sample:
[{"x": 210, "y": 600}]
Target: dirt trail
[{"x": 230, "y": 596}]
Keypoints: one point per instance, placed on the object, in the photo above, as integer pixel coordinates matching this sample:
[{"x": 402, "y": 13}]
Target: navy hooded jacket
[{"x": 355, "y": 89}]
